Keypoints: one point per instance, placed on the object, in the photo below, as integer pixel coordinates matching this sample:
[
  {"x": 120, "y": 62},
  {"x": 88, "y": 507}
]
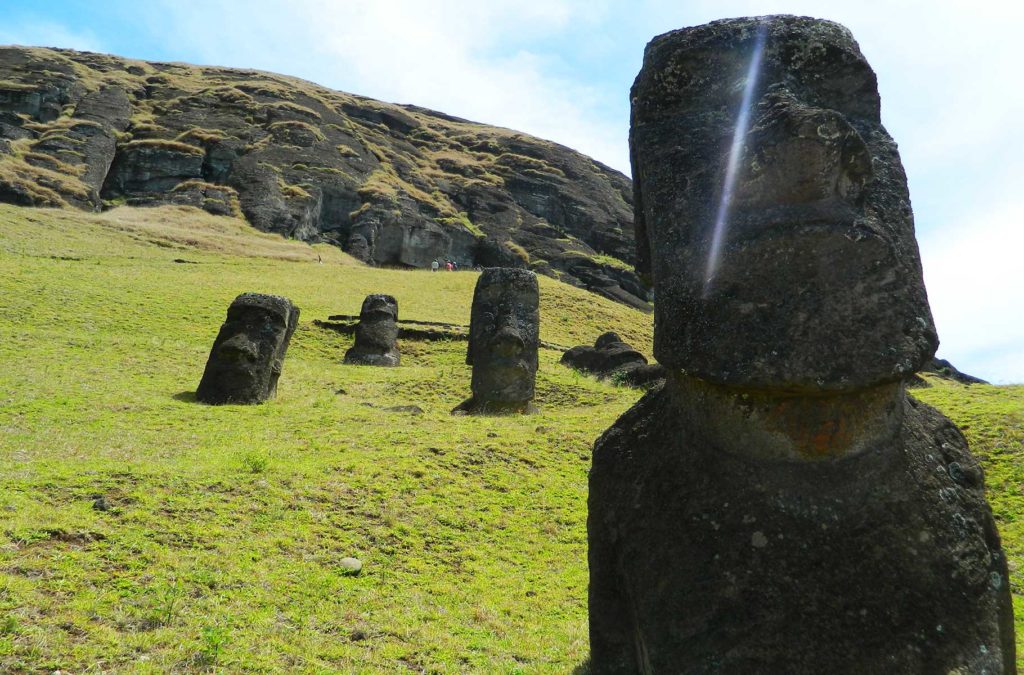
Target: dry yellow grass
[
  {"x": 189, "y": 229},
  {"x": 194, "y": 228}
]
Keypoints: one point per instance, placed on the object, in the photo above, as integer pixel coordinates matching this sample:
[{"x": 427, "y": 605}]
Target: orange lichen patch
[{"x": 831, "y": 426}]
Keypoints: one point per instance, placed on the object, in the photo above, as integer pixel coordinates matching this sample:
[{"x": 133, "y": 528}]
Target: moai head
[
  {"x": 377, "y": 333},
  {"x": 247, "y": 356},
  {"x": 503, "y": 338},
  {"x": 782, "y": 254}
]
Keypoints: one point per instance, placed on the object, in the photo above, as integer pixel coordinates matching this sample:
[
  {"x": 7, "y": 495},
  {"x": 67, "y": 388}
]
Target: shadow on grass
[
  {"x": 186, "y": 396},
  {"x": 583, "y": 668}
]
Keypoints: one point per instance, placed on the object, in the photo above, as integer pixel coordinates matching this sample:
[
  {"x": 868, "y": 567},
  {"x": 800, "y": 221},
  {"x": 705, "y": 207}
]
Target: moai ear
[
  {"x": 643, "y": 246},
  {"x": 293, "y": 323}
]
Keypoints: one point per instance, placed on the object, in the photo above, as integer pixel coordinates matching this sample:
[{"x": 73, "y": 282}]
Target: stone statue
[
  {"x": 504, "y": 329},
  {"x": 780, "y": 504},
  {"x": 612, "y": 358},
  {"x": 247, "y": 356},
  {"x": 377, "y": 333}
]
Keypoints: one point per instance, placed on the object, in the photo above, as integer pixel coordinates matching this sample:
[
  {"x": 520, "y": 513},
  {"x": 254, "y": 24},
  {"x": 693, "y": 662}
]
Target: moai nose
[
  {"x": 239, "y": 348},
  {"x": 508, "y": 342}
]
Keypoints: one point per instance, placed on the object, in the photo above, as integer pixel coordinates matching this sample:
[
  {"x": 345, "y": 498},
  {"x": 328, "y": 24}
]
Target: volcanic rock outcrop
[
  {"x": 610, "y": 357},
  {"x": 377, "y": 333},
  {"x": 390, "y": 184},
  {"x": 504, "y": 334},
  {"x": 248, "y": 354},
  {"x": 780, "y": 504}
]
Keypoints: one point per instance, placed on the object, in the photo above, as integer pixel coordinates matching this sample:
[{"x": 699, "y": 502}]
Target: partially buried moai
[
  {"x": 377, "y": 333},
  {"x": 503, "y": 339},
  {"x": 248, "y": 354},
  {"x": 781, "y": 505}
]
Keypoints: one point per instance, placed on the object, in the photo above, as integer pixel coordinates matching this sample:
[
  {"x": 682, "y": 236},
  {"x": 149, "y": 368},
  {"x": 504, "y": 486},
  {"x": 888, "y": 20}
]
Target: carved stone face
[
  {"x": 504, "y": 336},
  {"x": 379, "y": 307},
  {"x": 377, "y": 333},
  {"x": 818, "y": 284},
  {"x": 248, "y": 354}
]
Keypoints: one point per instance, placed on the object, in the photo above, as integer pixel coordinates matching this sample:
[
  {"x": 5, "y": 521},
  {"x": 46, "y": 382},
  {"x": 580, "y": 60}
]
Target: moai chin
[
  {"x": 248, "y": 354},
  {"x": 780, "y": 504},
  {"x": 504, "y": 330},
  {"x": 377, "y": 333}
]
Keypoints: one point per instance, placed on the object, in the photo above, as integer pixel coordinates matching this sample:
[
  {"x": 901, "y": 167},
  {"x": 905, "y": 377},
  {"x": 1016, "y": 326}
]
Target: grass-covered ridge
[
  {"x": 228, "y": 523},
  {"x": 222, "y": 545}
]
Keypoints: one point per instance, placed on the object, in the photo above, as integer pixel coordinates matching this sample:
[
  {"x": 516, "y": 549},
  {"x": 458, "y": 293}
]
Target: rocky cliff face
[{"x": 390, "y": 184}]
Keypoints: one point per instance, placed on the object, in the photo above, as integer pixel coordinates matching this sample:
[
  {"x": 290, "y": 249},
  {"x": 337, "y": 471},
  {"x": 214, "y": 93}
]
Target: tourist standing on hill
[{"x": 434, "y": 265}]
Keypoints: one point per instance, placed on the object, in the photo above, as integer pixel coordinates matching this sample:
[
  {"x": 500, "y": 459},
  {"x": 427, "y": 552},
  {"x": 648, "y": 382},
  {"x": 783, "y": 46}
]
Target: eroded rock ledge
[{"x": 390, "y": 184}]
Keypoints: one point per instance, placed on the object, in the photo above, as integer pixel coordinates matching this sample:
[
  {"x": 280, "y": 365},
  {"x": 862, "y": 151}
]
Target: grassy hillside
[{"x": 222, "y": 545}]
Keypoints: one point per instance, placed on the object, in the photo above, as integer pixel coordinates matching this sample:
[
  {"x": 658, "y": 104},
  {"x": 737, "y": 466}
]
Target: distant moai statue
[
  {"x": 611, "y": 357},
  {"x": 377, "y": 333},
  {"x": 781, "y": 505},
  {"x": 248, "y": 354},
  {"x": 504, "y": 333}
]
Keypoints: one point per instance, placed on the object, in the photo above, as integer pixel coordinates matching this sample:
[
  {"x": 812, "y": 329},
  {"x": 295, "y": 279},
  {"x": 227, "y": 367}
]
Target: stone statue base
[
  {"x": 357, "y": 358},
  {"x": 712, "y": 556},
  {"x": 472, "y": 406}
]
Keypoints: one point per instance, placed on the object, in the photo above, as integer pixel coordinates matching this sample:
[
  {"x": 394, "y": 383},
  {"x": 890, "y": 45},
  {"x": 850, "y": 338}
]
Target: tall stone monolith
[
  {"x": 248, "y": 354},
  {"x": 781, "y": 505},
  {"x": 376, "y": 341},
  {"x": 504, "y": 334}
]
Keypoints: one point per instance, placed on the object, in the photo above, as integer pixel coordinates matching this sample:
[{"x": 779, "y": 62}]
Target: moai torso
[
  {"x": 780, "y": 504},
  {"x": 377, "y": 333},
  {"x": 504, "y": 334},
  {"x": 248, "y": 355}
]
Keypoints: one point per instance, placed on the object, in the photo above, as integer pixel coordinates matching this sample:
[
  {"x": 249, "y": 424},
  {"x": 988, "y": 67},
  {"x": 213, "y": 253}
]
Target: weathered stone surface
[
  {"x": 393, "y": 185},
  {"x": 610, "y": 357},
  {"x": 818, "y": 255},
  {"x": 218, "y": 200},
  {"x": 504, "y": 334},
  {"x": 707, "y": 556},
  {"x": 377, "y": 333},
  {"x": 780, "y": 504},
  {"x": 153, "y": 166},
  {"x": 351, "y": 566},
  {"x": 248, "y": 355}
]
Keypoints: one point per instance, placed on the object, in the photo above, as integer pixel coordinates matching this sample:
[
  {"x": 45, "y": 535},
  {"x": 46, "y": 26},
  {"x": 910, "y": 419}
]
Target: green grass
[
  {"x": 226, "y": 526},
  {"x": 992, "y": 419}
]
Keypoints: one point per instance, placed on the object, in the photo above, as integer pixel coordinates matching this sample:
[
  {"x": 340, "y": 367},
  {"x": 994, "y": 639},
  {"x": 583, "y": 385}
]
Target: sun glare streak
[{"x": 735, "y": 154}]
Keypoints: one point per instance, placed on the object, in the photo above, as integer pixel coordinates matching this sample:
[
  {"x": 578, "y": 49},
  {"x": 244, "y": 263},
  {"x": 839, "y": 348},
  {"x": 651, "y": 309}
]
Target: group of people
[{"x": 449, "y": 265}]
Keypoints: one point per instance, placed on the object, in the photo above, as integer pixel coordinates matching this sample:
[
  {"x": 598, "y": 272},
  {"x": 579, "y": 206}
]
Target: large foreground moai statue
[
  {"x": 377, "y": 333},
  {"x": 781, "y": 505},
  {"x": 504, "y": 333},
  {"x": 248, "y": 354}
]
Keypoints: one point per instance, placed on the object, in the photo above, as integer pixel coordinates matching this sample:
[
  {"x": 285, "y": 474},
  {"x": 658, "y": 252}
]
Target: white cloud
[
  {"x": 464, "y": 58},
  {"x": 49, "y": 35},
  {"x": 975, "y": 279}
]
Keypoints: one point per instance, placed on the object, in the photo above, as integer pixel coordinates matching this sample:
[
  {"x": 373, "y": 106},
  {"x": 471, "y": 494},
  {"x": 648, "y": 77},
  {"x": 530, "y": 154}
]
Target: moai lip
[
  {"x": 248, "y": 354},
  {"x": 504, "y": 337},
  {"x": 377, "y": 333}
]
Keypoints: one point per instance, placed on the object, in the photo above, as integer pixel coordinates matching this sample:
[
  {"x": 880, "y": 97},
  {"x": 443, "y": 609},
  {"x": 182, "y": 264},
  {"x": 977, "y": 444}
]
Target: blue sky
[{"x": 948, "y": 71}]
